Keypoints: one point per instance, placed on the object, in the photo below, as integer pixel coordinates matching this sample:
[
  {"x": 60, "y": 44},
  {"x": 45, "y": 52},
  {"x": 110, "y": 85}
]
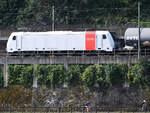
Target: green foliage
[
  {"x": 20, "y": 74},
  {"x": 89, "y": 76},
  {"x": 27, "y": 76},
  {"x": 115, "y": 74},
  {"x": 145, "y": 71},
  {"x": 102, "y": 76},
  {"x": 139, "y": 74},
  {"x": 134, "y": 75},
  {"x": 9, "y": 11},
  {"x": 43, "y": 71},
  {"x": 56, "y": 76},
  {"x": 51, "y": 75},
  {"x": 73, "y": 75},
  {"x": 95, "y": 74},
  {"x": 39, "y": 12}
]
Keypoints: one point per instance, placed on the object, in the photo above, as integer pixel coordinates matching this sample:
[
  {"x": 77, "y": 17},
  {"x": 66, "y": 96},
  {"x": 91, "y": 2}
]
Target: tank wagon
[
  {"x": 131, "y": 37},
  {"x": 62, "y": 41}
]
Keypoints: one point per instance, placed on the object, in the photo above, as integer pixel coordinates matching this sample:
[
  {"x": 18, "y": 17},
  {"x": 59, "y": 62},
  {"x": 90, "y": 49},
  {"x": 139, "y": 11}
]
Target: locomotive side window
[
  {"x": 14, "y": 38},
  {"x": 104, "y": 37}
]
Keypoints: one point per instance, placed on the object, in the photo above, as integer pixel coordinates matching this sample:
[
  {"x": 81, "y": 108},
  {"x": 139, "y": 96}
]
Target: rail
[
  {"x": 96, "y": 109},
  {"x": 144, "y": 52}
]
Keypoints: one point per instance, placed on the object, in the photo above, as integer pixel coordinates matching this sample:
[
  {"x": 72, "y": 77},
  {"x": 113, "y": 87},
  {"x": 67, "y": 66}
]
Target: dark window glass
[
  {"x": 114, "y": 35},
  {"x": 14, "y": 38},
  {"x": 104, "y": 37}
]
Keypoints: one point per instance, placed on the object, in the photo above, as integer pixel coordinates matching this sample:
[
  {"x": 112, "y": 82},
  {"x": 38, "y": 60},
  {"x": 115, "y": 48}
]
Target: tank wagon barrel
[{"x": 131, "y": 37}]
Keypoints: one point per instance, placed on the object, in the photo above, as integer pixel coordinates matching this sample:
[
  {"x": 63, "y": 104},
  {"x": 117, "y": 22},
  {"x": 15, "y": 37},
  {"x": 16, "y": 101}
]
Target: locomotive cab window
[
  {"x": 14, "y": 38},
  {"x": 104, "y": 37},
  {"x": 115, "y": 36}
]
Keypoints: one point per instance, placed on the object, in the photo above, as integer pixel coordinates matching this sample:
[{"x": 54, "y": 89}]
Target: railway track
[{"x": 143, "y": 52}]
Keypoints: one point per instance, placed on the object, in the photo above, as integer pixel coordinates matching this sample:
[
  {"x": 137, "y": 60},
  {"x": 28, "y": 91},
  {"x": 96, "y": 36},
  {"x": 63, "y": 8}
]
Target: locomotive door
[
  {"x": 18, "y": 43},
  {"x": 104, "y": 42},
  {"x": 101, "y": 42}
]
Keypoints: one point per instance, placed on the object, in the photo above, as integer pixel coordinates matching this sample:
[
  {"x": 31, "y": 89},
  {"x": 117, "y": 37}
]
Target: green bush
[
  {"x": 93, "y": 75},
  {"x": 116, "y": 74},
  {"x": 89, "y": 76},
  {"x": 51, "y": 75},
  {"x": 20, "y": 74},
  {"x": 139, "y": 74},
  {"x": 73, "y": 75},
  {"x": 105, "y": 75}
]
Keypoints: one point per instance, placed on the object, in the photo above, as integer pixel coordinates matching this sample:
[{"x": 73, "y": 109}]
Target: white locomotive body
[{"x": 61, "y": 41}]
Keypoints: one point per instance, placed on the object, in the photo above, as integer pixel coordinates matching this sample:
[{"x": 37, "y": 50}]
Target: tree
[
  {"x": 73, "y": 75},
  {"x": 145, "y": 70},
  {"x": 43, "y": 71},
  {"x": 27, "y": 76},
  {"x": 14, "y": 74},
  {"x": 9, "y": 11},
  {"x": 56, "y": 76},
  {"x": 27, "y": 15},
  {"x": 38, "y": 12},
  {"x": 115, "y": 75},
  {"x": 134, "y": 75},
  {"x": 139, "y": 74},
  {"x": 105, "y": 76},
  {"x": 89, "y": 76},
  {"x": 101, "y": 77},
  {"x": 20, "y": 74},
  {"x": 51, "y": 75}
]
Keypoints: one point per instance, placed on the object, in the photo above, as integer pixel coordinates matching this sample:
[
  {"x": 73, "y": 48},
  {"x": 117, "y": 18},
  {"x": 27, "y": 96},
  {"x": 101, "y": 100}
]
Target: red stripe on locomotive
[{"x": 90, "y": 39}]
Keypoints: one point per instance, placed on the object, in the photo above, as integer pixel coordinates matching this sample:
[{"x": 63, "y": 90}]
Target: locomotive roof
[{"x": 57, "y": 32}]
